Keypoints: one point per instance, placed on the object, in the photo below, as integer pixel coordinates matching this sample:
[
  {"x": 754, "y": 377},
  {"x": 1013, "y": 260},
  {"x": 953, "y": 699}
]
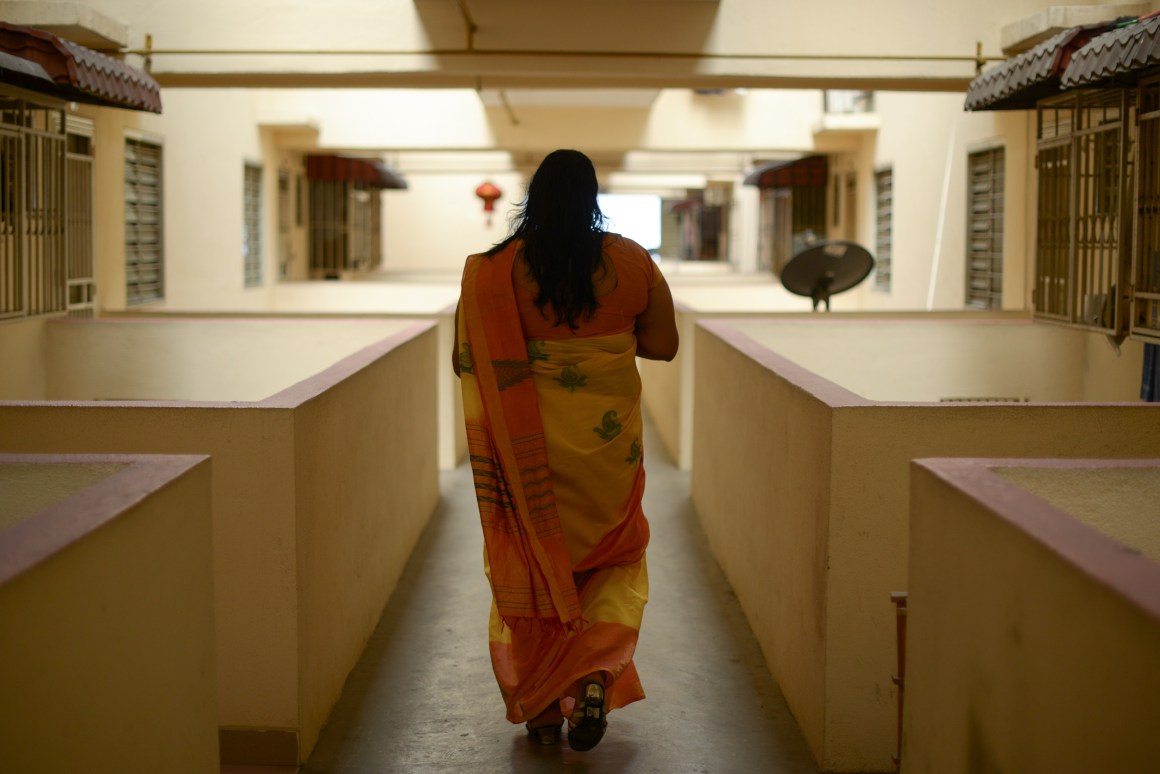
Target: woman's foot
[
  {"x": 589, "y": 719},
  {"x": 545, "y": 727},
  {"x": 545, "y": 735}
]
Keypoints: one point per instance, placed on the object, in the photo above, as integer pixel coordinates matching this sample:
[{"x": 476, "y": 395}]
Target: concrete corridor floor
[{"x": 423, "y": 699}]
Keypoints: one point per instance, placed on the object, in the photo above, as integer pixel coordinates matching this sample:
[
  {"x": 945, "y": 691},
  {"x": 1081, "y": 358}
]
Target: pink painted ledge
[
  {"x": 1125, "y": 571},
  {"x": 46, "y": 533}
]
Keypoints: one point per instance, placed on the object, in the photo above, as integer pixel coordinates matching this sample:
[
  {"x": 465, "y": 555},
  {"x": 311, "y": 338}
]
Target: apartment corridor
[{"x": 422, "y": 697}]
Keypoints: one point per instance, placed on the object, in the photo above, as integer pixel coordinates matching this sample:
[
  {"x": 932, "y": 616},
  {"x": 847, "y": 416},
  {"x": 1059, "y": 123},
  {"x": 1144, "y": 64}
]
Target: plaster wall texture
[
  {"x": 27, "y": 488},
  {"x": 262, "y": 498},
  {"x": 1005, "y": 657},
  {"x": 366, "y": 482},
  {"x": 110, "y": 635},
  {"x": 846, "y": 349},
  {"x": 253, "y": 523},
  {"x": 925, "y": 140},
  {"x": 861, "y": 525},
  {"x": 1122, "y": 503},
  {"x": 22, "y": 341},
  {"x": 205, "y": 359},
  {"x": 746, "y": 483}
]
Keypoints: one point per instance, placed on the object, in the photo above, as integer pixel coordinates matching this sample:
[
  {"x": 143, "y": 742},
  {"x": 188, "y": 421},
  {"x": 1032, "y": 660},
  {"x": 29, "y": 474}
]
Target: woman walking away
[{"x": 549, "y": 324}]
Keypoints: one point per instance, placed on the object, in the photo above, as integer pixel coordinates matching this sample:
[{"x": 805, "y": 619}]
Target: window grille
[
  {"x": 883, "y": 232},
  {"x": 345, "y": 228},
  {"x": 33, "y": 261},
  {"x": 284, "y": 223},
  {"x": 985, "y": 229},
  {"x": 1145, "y": 317},
  {"x": 79, "y": 212},
  {"x": 252, "y": 226},
  {"x": 144, "y": 246},
  {"x": 1085, "y": 158}
]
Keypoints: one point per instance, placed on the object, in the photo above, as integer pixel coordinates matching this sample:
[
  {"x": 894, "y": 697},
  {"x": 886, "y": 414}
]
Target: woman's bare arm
[{"x": 656, "y": 326}]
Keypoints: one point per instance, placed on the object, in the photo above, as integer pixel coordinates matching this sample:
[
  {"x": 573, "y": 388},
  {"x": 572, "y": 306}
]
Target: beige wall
[
  {"x": 107, "y": 631},
  {"x": 767, "y": 522},
  {"x": 859, "y": 521},
  {"x": 257, "y": 504},
  {"x": 22, "y": 341},
  {"x": 1040, "y": 658},
  {"x": 973, "y": 356},
  {"x": 892, "y": 360},
  {"x": 253, "y": 501},
  {"x": 366, "y": 481},
  {"x": 204, "y": 359}
]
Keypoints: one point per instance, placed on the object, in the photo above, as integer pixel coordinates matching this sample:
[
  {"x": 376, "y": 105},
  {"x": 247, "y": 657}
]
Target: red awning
[
  {"x": 811, "y": 170},
  {"x": 351, "y": 169},
  {"x": 77, "y": 73}
]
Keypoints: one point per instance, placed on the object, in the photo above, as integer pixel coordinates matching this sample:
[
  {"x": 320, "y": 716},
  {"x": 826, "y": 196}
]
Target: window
[
  {"x": 345, "y": 228},
  {"x": 144, "y": 247},
  {"x": 285, "y": 235},
  {"x": 33, "y": 259},
  {"x": 1085, "y": 150},
  {"x": 252, "y": 226},
  {"x": 883, "y": 239},
  {"x": 1145, "y": 317},
  {"x": 79, "y": 217},
  {"x": 985, "y": 229}
]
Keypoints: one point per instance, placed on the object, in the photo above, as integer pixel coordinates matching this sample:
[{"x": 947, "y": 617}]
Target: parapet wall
[
  {"x": 329, "y": 478},
  {"x": 1032, "y": 632},
  {"x": 106, "y": 614},
  {"x": 802, "y": 488}
]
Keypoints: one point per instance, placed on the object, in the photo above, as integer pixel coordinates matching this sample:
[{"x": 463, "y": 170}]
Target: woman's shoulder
[{"x": 630, "y": 256}]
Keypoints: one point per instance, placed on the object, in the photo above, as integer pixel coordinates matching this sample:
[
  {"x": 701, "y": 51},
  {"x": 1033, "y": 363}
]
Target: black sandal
[{"x": 589, "y": 720}]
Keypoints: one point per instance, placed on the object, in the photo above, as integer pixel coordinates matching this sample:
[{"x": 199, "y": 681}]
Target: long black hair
[{"x": 562, "y": 229}]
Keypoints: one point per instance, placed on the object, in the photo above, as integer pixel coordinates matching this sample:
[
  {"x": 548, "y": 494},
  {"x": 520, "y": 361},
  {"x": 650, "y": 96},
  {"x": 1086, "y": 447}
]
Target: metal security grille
[
  {"x": 285, "y": 223},
  {"x": 345, "y": 228},
  {"x": 33, "y": 266},
  {"x": 1053, "y": 227},
  {"x": 883, "y": 230},
  {"x": 144, "y": 248},
  {"x": 985, "y": 229},
  {"x": 1103, "y": 166},
  {"x": 11, "y": 213},
  {"x": 252, "y": 226},
  {"x": 1145, "y": 317},
  {"x": 79, "y": 214},
  {"x": 1086, "y": 158}
]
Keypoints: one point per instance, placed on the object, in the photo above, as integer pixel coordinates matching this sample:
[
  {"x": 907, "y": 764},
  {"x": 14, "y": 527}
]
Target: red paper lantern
[{"x": 489, "y": 192}]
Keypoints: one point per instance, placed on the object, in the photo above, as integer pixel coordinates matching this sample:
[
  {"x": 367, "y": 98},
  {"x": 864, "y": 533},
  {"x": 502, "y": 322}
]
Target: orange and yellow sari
[{"x": 554, "y": 437}]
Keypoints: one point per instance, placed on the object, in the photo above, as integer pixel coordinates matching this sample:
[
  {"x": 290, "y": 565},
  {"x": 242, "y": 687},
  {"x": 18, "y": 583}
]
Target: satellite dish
[{"x": 826, "y": 268}]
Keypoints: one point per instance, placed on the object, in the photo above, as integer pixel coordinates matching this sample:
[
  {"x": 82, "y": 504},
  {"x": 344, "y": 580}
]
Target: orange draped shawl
[{"x": 554, "y": 438}]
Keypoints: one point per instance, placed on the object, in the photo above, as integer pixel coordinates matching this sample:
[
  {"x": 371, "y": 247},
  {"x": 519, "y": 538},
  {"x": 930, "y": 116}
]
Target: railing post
[{"x": 899, "y": 600}]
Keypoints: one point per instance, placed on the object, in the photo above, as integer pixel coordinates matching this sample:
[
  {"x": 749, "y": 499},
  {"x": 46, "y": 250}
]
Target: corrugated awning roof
[
  {"x": 1120, "y": 55},
  {"x": 351, "y": 169},
  {"x": 1022, "y": 80},
  {"x": 74, "y": 72},
  {"x": 811, "y": 170}
]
